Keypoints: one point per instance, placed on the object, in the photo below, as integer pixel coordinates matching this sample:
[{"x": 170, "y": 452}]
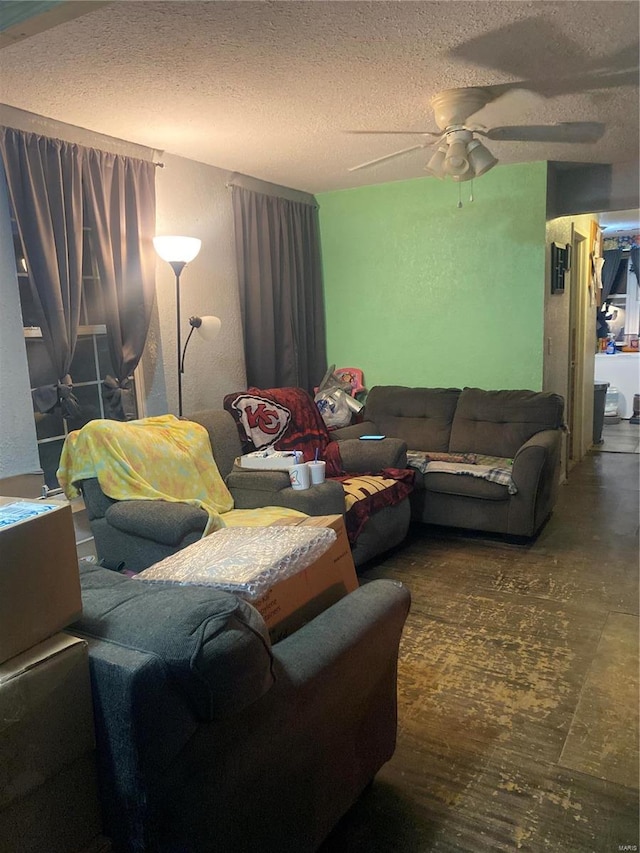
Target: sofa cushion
[
  {"x": 214, "y": 645},
  {"x": 464, "y": 486},
  {"x": 498, "y": 423},
  {"x": 420, "y": 416}
]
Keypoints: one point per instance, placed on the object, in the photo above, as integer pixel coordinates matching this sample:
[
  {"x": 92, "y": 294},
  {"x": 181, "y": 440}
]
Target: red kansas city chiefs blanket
[
  {"x": 285, "y": 419},
  {"x": 288, "y": 419}
]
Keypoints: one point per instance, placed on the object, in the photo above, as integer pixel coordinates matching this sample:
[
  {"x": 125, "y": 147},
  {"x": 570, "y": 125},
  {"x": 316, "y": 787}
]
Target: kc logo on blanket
[{"x": 264, "y": 421}]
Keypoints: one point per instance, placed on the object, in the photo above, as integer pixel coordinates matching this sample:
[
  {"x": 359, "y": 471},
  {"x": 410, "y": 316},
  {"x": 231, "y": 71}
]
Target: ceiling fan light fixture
[
  {"x": 480, "y": 158},
  {"x": 436, "y": 164},
  {"x": 456, "y": 162}
]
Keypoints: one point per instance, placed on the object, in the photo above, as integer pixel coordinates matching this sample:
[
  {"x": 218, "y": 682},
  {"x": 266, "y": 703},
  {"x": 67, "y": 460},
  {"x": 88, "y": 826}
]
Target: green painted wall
[{"x": 419, "y": 292}]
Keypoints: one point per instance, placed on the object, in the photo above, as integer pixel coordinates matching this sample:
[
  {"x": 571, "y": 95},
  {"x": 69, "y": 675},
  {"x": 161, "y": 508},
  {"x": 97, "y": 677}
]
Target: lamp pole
[{"x": 177, "y": 267}]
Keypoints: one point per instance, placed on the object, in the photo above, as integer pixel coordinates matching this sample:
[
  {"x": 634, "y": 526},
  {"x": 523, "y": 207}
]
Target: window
[{"x": 90, "y": 366}]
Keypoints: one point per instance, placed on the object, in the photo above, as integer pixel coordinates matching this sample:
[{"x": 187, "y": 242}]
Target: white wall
[
  {"x": 18, "y": 450},
  {"x": 192, "y": 200}
]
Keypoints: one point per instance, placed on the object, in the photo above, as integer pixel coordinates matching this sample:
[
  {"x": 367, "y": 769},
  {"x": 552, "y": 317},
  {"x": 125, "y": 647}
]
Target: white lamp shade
[
  {"x": 480, "y": 158},
  {"x": 436, "y": 164},
  {"x": 181, "y": 249},
  {"x": 209, "y": 327}
]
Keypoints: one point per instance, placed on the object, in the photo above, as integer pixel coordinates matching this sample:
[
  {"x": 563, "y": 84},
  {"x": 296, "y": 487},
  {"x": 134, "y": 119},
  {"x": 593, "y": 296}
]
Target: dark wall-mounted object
[{"x": 560, "y": 265}]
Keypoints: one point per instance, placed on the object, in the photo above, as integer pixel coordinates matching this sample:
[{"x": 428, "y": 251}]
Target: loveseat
[
  {"x": 138, "y": 533},
  {"x": 457, "y": 438},
  {"x": 210, "y": 740}
]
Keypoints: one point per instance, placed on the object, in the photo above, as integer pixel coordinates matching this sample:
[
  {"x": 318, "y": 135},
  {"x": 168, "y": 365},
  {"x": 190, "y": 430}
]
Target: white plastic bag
[
  {"x": 334, "y": 401},
  {"x": 334, "y": 407}
]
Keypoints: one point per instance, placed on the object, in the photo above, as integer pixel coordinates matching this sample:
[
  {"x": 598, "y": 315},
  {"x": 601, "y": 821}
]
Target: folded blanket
[
  {"x": 502, "y": 476},
  {"x": 160, "y": 458},
  {"x": 365, "y": 494},
  {"x": 419, "y": 459}
]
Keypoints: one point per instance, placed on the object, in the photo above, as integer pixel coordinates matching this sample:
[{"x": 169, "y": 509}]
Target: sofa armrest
[
  {"x": 530, "y": 460},
  {"x": 135, "y": 744},
  {"x": 260, "y": 481},
  {"x": 354, "y": 431},
  {"x": 324, "y": 499},
  {"x": 360, "y": 456},
  {"x": 371, "y": 618},
  {"x": 536, "y": 475},
  {"x": 255, "y": 489},
  {"x": 161, "y": 521}
]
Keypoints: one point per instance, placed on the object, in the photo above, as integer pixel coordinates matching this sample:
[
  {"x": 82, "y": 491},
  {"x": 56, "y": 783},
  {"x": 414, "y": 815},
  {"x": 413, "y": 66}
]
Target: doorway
[{"x": 577, "y": 330}]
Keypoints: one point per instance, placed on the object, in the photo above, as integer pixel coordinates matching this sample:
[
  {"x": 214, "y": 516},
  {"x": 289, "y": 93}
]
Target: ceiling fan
[{"x": 460, "y": 155}]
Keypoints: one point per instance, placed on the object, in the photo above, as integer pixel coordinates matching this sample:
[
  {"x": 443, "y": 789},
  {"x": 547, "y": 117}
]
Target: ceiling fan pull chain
[
  {"x": 459, "y": 205},
  {"x": 471, "y": 191}
]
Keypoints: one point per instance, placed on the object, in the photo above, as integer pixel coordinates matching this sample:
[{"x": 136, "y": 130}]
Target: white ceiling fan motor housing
[{"x": 454, "y": 106}]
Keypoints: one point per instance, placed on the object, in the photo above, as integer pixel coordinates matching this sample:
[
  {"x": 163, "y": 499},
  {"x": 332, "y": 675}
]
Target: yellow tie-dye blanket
[{"x": 161, "y": 458}]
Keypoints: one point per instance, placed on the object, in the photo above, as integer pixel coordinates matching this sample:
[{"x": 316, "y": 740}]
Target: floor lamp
[{"x": 177, "y": 252}]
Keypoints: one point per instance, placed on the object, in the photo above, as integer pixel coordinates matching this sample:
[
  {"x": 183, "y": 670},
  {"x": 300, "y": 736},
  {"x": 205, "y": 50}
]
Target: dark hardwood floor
[{"x": 517, "y": 685}]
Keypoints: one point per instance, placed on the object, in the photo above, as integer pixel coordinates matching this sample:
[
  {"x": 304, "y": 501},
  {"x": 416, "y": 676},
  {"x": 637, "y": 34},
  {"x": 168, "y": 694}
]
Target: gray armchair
[{"x": 210, "y": 740}]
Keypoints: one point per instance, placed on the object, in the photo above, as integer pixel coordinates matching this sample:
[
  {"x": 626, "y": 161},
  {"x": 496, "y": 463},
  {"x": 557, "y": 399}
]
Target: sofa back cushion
[
  {"x": 498, "y": 423},
  {"x": 223, "y": 436},
  {"x": 214, "y": 646},
  {"x": 420, "y": 416}
]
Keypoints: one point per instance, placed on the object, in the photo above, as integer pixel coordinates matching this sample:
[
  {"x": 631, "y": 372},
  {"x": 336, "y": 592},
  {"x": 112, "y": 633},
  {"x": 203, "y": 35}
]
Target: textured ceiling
[{"x": 269, "y": 89}]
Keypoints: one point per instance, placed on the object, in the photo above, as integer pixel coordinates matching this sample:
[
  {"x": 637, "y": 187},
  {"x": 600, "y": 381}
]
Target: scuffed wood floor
[{"x": 517, "y": 685}]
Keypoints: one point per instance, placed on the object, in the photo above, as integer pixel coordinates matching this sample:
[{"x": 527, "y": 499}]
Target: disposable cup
[
  {"x": 317, "y": 470},
  {"x": 300, "y": 476}
]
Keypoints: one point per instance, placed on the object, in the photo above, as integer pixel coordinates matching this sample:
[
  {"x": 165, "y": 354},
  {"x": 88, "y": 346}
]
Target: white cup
[
  {"x": 300, "y": 476},
  {"x": 317, "y": 470}
]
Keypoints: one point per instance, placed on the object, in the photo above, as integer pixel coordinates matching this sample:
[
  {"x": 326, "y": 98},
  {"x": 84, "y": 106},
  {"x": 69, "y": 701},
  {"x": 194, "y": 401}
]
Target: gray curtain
[
  {"x": 44, "y": 177},
  {"x": 120, "y": 209},
  {"x": 281, "y": 298},
  {"x": 612, "y": 258}
]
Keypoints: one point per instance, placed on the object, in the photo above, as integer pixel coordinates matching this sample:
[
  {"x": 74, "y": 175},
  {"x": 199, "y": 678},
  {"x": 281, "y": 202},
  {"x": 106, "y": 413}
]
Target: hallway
[
  {"x": 620, "y": 438},
  {"x": 518, "y": 685}
]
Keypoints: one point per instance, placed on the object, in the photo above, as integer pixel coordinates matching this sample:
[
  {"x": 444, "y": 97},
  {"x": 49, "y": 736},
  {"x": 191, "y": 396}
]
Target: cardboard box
[
  {"x": 39, "y": 578},
  {"x": 294, "y": 601},
  {"x": 48, "y": 791}
]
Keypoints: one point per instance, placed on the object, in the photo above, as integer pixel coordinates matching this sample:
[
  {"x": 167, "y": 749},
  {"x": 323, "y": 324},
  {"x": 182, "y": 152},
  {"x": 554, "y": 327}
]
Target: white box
[
  {"x": 279, "y": 460},
  {"x": 39, "y": 577}
]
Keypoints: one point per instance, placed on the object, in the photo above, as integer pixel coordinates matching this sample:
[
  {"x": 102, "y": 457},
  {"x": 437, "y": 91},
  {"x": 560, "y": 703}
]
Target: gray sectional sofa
[
  {"x": 139, "y": 533},
  {"x": 523, "y": 427}
]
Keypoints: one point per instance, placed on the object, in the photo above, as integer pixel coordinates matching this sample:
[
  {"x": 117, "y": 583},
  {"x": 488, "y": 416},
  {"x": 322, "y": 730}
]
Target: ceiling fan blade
[
  {"x": 388, "y": 156},
  {"x": 568, "y": 131},
  {"x": 401, "y": 132},
  {"x": 569, "y": 68},
  {"x": 522, "y": 47}
]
